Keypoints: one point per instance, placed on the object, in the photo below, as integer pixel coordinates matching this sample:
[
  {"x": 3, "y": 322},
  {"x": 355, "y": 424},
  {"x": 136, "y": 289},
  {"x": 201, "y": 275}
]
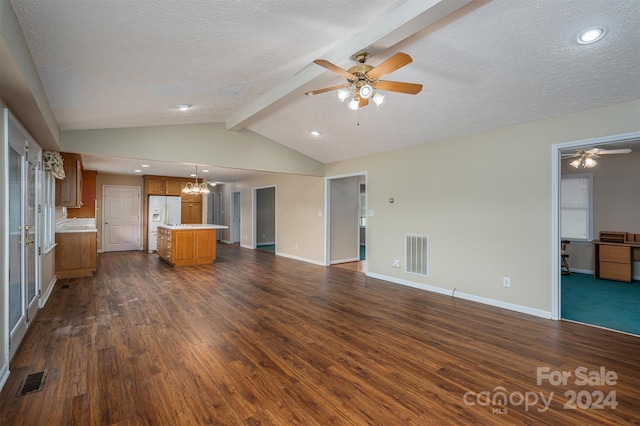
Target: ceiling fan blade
[
  {"x": 614, "y": 151},
  {"x": 570, "y": 156},
  {"x": 397, "y": 86},
  {"x": 363, "y": 102},
  {"x": 395, "y": 62},
  {"x": 334, "y": 68},
  {"x": 327, "y": 89}
]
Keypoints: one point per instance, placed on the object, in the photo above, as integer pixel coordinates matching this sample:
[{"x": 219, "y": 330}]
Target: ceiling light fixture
[
  {"x": 591, "y": 35},
  {"x": 183, "y": 107},
  {"x": 354, "y": 104},
  {"x": 144, "y": 165},
  {"x": 137, "y": 171},
  {"x": 195, "y": 187},
  {"x": 585, "y": 160},
  {"x": 314, "y": 133}
]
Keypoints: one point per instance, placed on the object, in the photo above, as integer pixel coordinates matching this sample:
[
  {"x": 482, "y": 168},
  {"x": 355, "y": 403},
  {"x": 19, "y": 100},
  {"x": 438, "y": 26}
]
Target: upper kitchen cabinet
[
  {"x": 160, "y": 185},
  {"x": 69, "y": 190},
  {"x": 88, "y": 209},
  {"x": 189, "y": 198}
]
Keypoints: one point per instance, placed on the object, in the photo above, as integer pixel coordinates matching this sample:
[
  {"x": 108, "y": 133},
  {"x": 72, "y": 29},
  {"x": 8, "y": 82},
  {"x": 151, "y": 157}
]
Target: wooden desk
[{"x": 614, "y": 261}]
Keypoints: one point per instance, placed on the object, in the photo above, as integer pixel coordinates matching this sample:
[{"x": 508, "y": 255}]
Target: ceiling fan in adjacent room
[
  {"x": 587, "y": 158},
  {"x": 364, "y": 80}
]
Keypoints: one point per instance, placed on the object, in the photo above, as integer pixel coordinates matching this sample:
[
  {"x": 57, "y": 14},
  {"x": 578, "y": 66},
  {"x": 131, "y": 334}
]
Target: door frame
[
  {"x": 327, "y": 218},
  {"x": 556, "y": 181}
]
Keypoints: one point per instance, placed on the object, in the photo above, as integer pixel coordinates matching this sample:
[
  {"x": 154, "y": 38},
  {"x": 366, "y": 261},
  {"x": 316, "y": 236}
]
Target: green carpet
[
  {"x": 271, "y": 248},
  {"x": 610, "y": 304}
]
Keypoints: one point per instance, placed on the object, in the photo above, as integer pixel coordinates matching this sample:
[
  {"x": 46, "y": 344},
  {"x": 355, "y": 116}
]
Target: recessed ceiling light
[
  {"x": 144, "y": 165},
  {"x": 192, "y": 175},
  {"x": 183, "y": 107},
  {"x": 315, "y": 133},
  {"x": 591, "y": 35},
  {"x": 205, "y": 171},
  {"x": 138, "y": 171}
]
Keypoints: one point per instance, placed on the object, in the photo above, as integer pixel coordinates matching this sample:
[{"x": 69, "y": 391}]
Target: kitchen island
[
  {"x": 76, "y": 248},
  {"x": 192, "y": 244}
]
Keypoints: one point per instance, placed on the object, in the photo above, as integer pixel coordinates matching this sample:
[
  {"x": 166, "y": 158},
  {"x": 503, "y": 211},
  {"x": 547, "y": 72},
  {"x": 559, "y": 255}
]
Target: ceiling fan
[
  {"x": 364, "y": 80},
  {"x": 586, "y": 158}
]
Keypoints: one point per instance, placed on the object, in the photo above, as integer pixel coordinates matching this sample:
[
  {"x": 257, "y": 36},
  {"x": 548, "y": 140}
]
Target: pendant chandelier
[{"x": 195, "y": 187}]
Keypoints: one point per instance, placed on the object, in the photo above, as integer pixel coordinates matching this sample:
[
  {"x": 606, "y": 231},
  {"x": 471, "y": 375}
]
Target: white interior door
[{"x": 121, "y": 218}]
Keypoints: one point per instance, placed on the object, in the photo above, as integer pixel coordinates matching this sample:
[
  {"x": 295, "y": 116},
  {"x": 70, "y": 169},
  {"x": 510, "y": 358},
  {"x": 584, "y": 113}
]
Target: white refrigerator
[{"x": 163, "y": 210}]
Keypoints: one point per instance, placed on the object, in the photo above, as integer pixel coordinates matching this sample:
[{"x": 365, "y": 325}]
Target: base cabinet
[
  {"x": 76, "y": 254},
  {"x": 181, "y": 247}
]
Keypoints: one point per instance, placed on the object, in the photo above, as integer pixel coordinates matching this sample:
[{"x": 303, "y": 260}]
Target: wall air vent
[{"x": 417, "y": 254}]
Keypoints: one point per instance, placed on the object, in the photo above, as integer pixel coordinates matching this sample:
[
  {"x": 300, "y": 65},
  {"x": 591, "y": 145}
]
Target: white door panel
[{"x": 121, "y": 215}]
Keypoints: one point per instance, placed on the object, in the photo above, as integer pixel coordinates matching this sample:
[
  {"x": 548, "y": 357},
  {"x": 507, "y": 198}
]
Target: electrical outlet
[
  {"x": 506, "y": 281},
  {"x": 396, "y": 264},
  {"x": 296, "y": 246}
]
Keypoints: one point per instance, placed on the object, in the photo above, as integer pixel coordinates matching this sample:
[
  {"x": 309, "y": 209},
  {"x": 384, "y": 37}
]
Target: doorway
[
  {"x": 214, "y": 211},
  {"x": 24, "y": 157},
  {"x": 121, "y": 218},
  {"x": 235, "y": 217},
  {"x": 345, "y": 202},
  {"x": 570, "y": 292},
  {"x": 264, "y": 218}
]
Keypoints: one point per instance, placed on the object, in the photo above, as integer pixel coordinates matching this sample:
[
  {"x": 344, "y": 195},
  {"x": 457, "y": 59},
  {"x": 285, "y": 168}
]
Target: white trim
[
  {"x": 4, "y": 374},
  {"x": 555, "y": 207},
  {"x": 473, "y": 298},
  {"x": 247, "y": 246},
  {"x": 302, "y": 259},
  {"x": 352, "y": 259},
  {"x": 45, "y": 296}
]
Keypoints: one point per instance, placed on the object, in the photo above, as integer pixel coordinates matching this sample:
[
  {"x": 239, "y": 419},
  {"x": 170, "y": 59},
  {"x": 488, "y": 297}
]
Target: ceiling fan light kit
[
  {"x": 363, "y": 80},
  {"x": 587, "y": 159}
]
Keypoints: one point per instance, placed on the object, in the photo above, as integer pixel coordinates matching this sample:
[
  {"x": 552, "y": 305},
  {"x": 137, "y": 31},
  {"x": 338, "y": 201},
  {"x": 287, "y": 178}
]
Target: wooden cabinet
[
  {"x": 160, "y": 185},
  {"x": 165, "y": 239},
  {"x": 614, "y": 254},
  {"x": 88, "y": 208},
  {"x": 180, "y": 247},
  {"x": 191, "y": 205},
  {"x": 191, "y": 213},
  {"x": 76, "y": 254},
  {"x": 69, "y": 190}
]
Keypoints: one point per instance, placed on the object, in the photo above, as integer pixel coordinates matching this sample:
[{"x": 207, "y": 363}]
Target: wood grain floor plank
[{"x": 260, "y": 339}]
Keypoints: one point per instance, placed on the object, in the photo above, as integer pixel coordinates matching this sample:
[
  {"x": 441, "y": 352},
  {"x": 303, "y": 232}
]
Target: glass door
[
  {"x": 17, "y": 307},
  {"x": 31, "y": 217},
  {"x": 24, "y": 164}
]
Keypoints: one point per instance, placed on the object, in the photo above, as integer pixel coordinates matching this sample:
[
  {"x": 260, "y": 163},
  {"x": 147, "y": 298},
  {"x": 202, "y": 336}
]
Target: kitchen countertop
[
  {"x": 76, "y": 225},
  {"x": 192, "y": 226}
]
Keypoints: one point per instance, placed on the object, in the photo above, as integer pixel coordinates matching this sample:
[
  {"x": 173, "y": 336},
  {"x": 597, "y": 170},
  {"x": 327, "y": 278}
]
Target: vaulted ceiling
[{"x": 483, "y": 65}]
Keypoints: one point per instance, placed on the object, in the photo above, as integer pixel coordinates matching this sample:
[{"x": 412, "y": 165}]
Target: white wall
[{"x": 485, "y": 202}]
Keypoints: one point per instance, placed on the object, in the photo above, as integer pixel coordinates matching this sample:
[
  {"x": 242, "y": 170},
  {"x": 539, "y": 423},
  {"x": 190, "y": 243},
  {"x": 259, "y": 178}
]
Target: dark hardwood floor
[{"x": 261, "y": 339}]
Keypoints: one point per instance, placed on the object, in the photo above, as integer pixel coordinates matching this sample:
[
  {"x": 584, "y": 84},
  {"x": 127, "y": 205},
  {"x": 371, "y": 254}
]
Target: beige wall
[
  {"x": 112, "y": 179},
  {"x": 616, "y": 203},
  {"x": 484, "y": 200},
  {"x": 207, "y": 143},
  {"x": 300, "y": 231}
]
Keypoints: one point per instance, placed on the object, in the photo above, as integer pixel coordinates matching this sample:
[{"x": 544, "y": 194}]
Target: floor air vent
[
  {"x": 417, "y": 254},
  {"x": 33, "y": 383}
]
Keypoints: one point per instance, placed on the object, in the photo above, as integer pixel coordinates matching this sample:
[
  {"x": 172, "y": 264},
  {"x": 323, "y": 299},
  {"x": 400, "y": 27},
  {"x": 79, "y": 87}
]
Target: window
[
  {"x": 48, "y": 211},
  {"x": 576, "y": 207}
]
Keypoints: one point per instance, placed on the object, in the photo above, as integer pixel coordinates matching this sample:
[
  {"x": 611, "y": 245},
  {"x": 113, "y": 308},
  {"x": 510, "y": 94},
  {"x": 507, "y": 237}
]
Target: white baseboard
[
  {"x": 226, "y": 241},
  {"x": 4, "y": 374},
  {"x": 303, "y": 259},
  {"x": 471, "y": 297},
  {"x": 246, "y": 246},
  {"x": 351, "y": 259},
  {"x": 45, "y": 296}
]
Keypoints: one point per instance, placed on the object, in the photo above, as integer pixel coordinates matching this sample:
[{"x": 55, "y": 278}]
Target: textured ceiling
[{"x": 113, "y": 63}]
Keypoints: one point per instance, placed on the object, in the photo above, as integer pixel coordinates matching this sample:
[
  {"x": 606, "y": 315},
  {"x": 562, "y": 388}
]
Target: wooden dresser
[{"x": 614, "y": 254}]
